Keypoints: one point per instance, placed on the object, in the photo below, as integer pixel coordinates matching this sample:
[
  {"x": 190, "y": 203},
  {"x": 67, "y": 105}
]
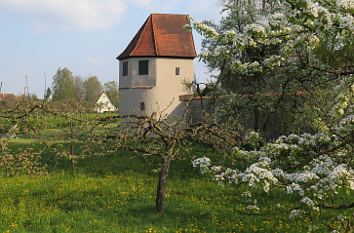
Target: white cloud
[
  {"x": 144, "y": 2},
  {"x": 199, "y": 9},
  {"x": 69, "y": 14}
]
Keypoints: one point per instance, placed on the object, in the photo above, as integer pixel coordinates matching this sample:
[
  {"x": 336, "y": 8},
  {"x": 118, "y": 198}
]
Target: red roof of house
[
  {"x": 7, "y": 96},
  {"x": 162, "y": 35}
]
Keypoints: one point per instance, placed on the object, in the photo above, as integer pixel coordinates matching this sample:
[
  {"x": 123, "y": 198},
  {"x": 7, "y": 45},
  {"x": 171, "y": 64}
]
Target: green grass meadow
[{"x": 116, "y": 193}]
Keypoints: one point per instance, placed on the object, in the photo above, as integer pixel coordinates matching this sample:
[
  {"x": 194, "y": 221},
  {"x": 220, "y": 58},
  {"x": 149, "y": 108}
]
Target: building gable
[
  {"x": 104, "y": 104},
  {"x": 162, "y": 35}
]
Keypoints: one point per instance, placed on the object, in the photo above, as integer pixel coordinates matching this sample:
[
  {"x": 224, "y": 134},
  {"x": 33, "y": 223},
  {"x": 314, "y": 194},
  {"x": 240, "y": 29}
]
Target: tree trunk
[
  {"x": 72, "y": 148},
  {"x": 161, "y": 186},
  {"x": 256, "y": 118}
]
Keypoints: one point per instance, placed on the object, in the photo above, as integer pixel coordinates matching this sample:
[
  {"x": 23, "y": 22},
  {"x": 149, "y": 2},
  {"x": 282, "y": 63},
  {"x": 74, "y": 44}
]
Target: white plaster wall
[
  {"x": 133, "y": 69},
  {"x": 130, "y": 101},
  {"x": 162, "y": 96},
  {"x": 170, "y": 86}
]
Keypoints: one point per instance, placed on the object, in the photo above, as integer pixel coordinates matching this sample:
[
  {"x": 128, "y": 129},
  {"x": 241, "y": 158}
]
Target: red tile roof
[
  {"x": 162, "y": 35},
  {"x": 7, "y": 96}
]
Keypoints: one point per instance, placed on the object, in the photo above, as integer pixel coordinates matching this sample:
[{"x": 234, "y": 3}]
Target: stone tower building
[{"x": 155, "y": 66}]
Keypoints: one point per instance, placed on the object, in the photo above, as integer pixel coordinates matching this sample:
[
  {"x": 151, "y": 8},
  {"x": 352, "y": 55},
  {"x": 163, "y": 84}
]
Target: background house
[
  {"x": 104, "y": 104},
  {"x": 7, "y": 96},
  {"x": 155, "y": 66}
]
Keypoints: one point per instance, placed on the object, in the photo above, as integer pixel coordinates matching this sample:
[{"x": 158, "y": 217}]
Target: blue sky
[{"x": 38, "y": 36}]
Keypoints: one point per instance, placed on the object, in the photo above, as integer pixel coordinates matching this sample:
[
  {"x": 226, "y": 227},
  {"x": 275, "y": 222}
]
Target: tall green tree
[
  {"x": 92, "y": 89},
  {"x": 63, "y": 85},
  {"x": 112, "y": 90},
  {"x": 79, "y": 88}
]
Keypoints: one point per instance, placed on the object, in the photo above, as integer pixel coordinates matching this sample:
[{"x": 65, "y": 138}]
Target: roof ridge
[
  {"x": 154, "y": 36},
  {"x": 169, "y": 14},
  {"x": 139, "y": 39},
  {"x": 98, "y": 98}
]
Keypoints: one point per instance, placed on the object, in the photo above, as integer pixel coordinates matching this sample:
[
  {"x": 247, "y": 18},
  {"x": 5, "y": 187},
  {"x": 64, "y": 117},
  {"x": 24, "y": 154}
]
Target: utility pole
[
  {"x": 28, "y": 94},
  {"x": 45, "y": 86}
]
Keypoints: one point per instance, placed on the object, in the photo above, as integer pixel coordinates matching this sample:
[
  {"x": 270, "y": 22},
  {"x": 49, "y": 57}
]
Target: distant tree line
[{"x": 69, "y": 87}]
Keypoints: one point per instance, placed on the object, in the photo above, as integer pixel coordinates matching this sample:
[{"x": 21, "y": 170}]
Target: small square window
[
  {"x": 143, "y": 67},
  {"x": 142, "y": 106},
  {"x": 125, "y": 68},
  {"x": 178, "y": 70}
]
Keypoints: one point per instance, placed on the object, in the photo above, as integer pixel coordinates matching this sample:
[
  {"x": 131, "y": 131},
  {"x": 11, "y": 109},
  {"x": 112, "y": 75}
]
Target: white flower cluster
[
  {"x": 250, "y": 155},
  {"x": 277, "y": 19},
  {"x": 295, "y": 213},
  {"x": 307, "y": 201},
  {"x": 333, "y": 176},
  {"x": 304, "y": 139},
  {"x": 255, "y": 28},
  {"x": 230, "y": 175},
  {"x": 303, "y": 177},
  {"x": 346, "y": 21},
  {"x": 273, "y": 61},
  {"x": 230, "y": 34},
  {"x": 293, "y": 187},
  {"x": 346, "y": 4},
  {"x": 203, "y": 163},
  {"x": 344, "y": 107},
  {"x": 345, "y": 98},
  {"x": 252, "y": 207},
  {"x": 205, "y": 29},
  {"x": 313, "y": 8},
  {"x": 259, "y": 172},
  {"x": 323, "y": 177}
]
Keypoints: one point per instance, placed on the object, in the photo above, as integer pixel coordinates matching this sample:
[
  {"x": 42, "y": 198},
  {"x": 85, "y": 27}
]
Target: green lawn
[{"x": 116, "y": 192}]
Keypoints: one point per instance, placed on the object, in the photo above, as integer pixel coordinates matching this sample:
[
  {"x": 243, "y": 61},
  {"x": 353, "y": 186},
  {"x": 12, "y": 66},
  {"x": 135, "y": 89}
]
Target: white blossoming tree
[
  {"x": 315, "y": 168},
  {"x": 275, "y": 52},
  {"x": 294, "y": 45}
]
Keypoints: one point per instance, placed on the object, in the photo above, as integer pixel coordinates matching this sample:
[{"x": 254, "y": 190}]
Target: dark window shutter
[
  {"x": 142, "y": 106},
  {"x": 143, "y": 67},
  {"x": 125, "y": 68}
]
